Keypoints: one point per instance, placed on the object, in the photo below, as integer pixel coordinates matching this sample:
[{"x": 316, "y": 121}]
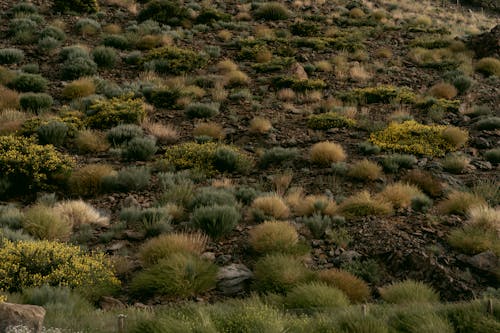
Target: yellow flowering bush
[
  {"x": 26, "y": 163},
  {"x": 27, "y": 264},
  {"x": 325, "y": 121},
  {"x": 117, "y": 110},
  {"x": 209, "y": 157},
  {"x": 414, "y": 138}
]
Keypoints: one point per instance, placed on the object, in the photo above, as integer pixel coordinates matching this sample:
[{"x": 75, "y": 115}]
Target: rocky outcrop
[
  {"x": 486, "y": 44},
  {"x": 31, "y": 316},
  {"x": 233, "y": 278}
]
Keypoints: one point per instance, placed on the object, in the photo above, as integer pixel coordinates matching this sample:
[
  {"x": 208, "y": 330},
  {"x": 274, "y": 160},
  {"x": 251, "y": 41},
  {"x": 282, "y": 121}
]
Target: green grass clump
[
  {"x": 277, "y": 156},
  {"x": 280, "y": 273},
  {"x": 298, "y": 85},
  {"x": 409, "y": 291},
  {"x": 78, "y": 6},
  {"x": 105, "y": 57},
  {"x": 25, "y": 82},
  {"x": 274, "y": 237},
  {"x": 169, "y": 12},
  {"x": 420, "y": 322},
  {"x": 116, "y": 111},
  {"x": 54, "y": 132},
  {"x": 380, "y": 94},
  {"x": 36, "y": 102},
  {"x": 178, "y": 275},
  {"x": 173, "y": 60},
  {"x": 493, "y": 155},
  {"x": 11, "y": 56},
  {"x": 76, "y": 67},
  {"x": 326, "y": 121},
  {"x": 128, "y": 179},
  {"x": 488, "y": 66},
  {"x": 305, "y": 29},
  {"x": 488, "y": 124},
  {"x": 216, "y": 220},
  {"x": 395, "y": 162},
  {"x": 271, "y": 11},
  {"x": 201, "y": 110},
  {"x": 43, "y": 222},
  {"x": 414, "y": 138},
  {"x": 315, "y": 295},
  {"x": 122, "y": 134},
  {"x": 208, "y": 196}
]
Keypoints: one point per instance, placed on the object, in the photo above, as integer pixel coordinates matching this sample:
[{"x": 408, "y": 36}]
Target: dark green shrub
[
  {"x": 297, "y": 84},
  {"x": 271, "y": 11},
  {"x": 394, "y": 162},
  {"x": 105, "y": 56},
  {"x": 78, "y": 6},
  {"x": 421, "y": 203},
  {"x": 163, "y": 97},
  {"x": 217, "y": 220},
  {"x": 468, "y": 318},
  {"x": 71, "y": 52},
  {"x": 246, "y": 194},
  {"x": 179, "y": 275},
  {"x": 133, "y": 58},
  {"x": 54, "y": 132},
  {"x": 23, "y": 30},
  {"x": 117, "y": 41},
  {"x": 305, "y": 29},
  {"x": 47, "y": 45},
  {"x": 462, "y": 83},
  {"x": 358, "y": 323},
  {"x": 76, "y": 67},
  {"x": 169, "y": 12},
  {"x": 315, "y": 295},
  {"x": 23, "y": 8},
  {"x": 116, "y": 111},
  {"x": 488, "y": 124},
  {"x": 280, "y": 273},
  {"x": 53, "y": 32},
  {"x": 493, "y": 155},
  {"x": 140, "y": 149},
  {"x": 367, "y": 148},
  {"x": 87, "y": 26},
  {"x": 277, "y": 155},
  {"x": 25, "y": 82},
  {"x": 151, "y": 221},
  {"x": 326, "y": 121},
  {"x": 210, "y": 15},
  {"x": 201, "y": 110},
  {"x": 35, "y": 102},
  {"x": 31, "y": 68},
  {"x": 226, "y": 159},
  {"x": 317, "y": 224},
  {"x": 11, "y": 56},
  {"x": 209, "y": 196},
  {"x": 173, "y": 60},
  {"x": 123, "y": 133},
  {"x": 368, "y": 270},
  {"x": 128, "y": 179}
]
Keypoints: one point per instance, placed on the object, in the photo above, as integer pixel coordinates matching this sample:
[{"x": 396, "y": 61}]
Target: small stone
[
  {"x": 223, "y": 259},
  {"x": 130, "y": 201},
  {"x": 31, "y": 316},
  {"x": 210, "y": 256},
  {"x": 232, "y": 279},
  {"x": 109, "y": 303}
]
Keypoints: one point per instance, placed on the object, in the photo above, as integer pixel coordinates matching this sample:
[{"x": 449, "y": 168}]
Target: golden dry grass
[
  {"x": 90, "y": 141},
  {"x": 272, "y": 237},
  {"x": 210, "y": 129},
  {"x": 260, "y": 125},
  {"x": 326, "y": 153},
  {"x": 365, "y": 170},
  {"x": 78, "y": 213},
  {"x": 9, "y": 99},
  {"x": 355, "y": 289},
  {"x": 272, "y": 205},
  {"x": 164, "y": 134},
  {"x": 400, "y": 194},
  {"x": 443, "y": 90}
]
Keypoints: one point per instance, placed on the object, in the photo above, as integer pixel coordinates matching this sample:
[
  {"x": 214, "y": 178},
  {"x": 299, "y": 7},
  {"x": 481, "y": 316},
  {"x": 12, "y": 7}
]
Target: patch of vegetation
[
  {"x": 326, "y": 121},
  {"x": 115, "y": 111},
  {"x": 379, "y": 94},
  {"x": 173, "y": 60}
]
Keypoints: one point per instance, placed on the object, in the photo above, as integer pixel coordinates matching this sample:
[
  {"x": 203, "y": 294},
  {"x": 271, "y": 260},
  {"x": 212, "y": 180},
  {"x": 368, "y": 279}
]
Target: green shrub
[
  {"x": 28, "y": 164},
  {"x": 180, "y": 275},
  {"x": 274, "y": 237},
  {"x": 166, "y": 97},
  {"x": 493, "y": 155},
  {"x": 408, "y": 291},
  {"x": 420, "y": 322},
  {"x": 209, "y": 196},
  {"x": 128, "y": 179},
  {"x": 414, "y": 138},
  {"x": 150, "y": 221},
  {"x": 462, "y": 83},
  {"x": 116, "y": 41},
  {"x": 169, "y": 12},
  {"x": 315, "y": 295},
  {"x": 271, "y": 11},
  {"x": 317, "y": 224},
  {"x": 48, "y": 45},
  {"x": 29, "y": 264},
  {"x": 36, "y": 102},
  {"x": 458, "y": 203},
  {"x": 363, "y": 204},
  {"x": 10, "y": 216},
  {"x": 217, "y": 220},
  {"x": 173, "y": 60},
  {"x": 77, "y": 67},
  {"x": 421, "y": 203},
  {"x": 280, "y": 273},
  {"x": 379, "y": 94},
  {"x": 326, "y": 121},
  {"x": 11, "y": 56},
  {"x": 23, "y": 8},
  {"x": 25, "y": 82},
  {"x": 54, "y": 132},
  {"x": 140, "y": 149},
  {"x": 121, "y": 134},
  {"x": 395, "y": 162},
  {"x": 488, "y": 124},
  {"x": 105, "y": 56},
  {"x": 87, "y": 26},
  {"x": 470, "y": 317},
  {"x": 488, "y": 66},
  {"x": 359, "y": 323},
  {"x": 201, "y": 110},
  {"x": 43, "y": 222},
  {"x": 78, "y": 6},
  {"x": 72, "y": 52},
  {"x": 227, "y": 159},
  {"x": 116, "y": 111},
  {"x": 246, "y": 194},
  {"x": 297, "y": 85},
  {"x": 53, "y": 32},
  {"x": 277, "y": 156},
  {"x": 473, "y": 240},
  {"x": 305, "y": 29}
]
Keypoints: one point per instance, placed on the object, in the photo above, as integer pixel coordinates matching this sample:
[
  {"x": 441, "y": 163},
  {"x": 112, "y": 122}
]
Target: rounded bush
[
  {"x": 117, "y": 110},
  {"x": 54, "y": 132},
  {"x": 488, "y": 66},
  {"x": 79, "y": 88},
  {"x": 315, "y": 295},
  {"x": 209, "y": 196},
  {"x": 355, "y": 289},
  {"x": 408, "y": 291},
  {"x": 105, "y": 56},
  {"x": 271, "y": 205},
  {"x": 169, "y": 12},
  {"x": 78, "y": 6},
  {"x": 117, "y": 41},
  {"x": 326, "y": 153},
  {"x": 140, "y": 149},
  {"x": 25, "y": 82},
  {"x": 201, "y": 110},
  {"x": 272, "y": 11},
  {"x": 123, "y": 133},
  {"x": 71, "y": 52},
  {"x": 273, "y": 237},
  {"x": 217, "y": 220},
  {"x": 11, "y": 56},
  {"x": 493, "y": 155},
  {"x": 35, "y": 102},
  {"x": 77, "y": 67},
  {"x": 88, "y": 180},
  {"x": 48, "y": 45},
  {"x": 43, "y": 222},
  {"x": 53, "y": 32}
]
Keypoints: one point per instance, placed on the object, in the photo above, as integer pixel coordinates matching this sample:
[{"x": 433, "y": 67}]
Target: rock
[
  {"x": 486, "y": 44},
  {"x": 298, "y": 72},
  {"x": 110, "y": 303},
  {"x": 223, "y": 259},
  {"x": 210, "y": 256},
  {"x": 485, "y": 261},
  {"x": 232, "y": 279},
  {"x": 116, "y": 246},
  {"x": 31, "y": 316},
  {"x": 347, "y": 257},
  {"x": 483, "y": 165},
  {"x": 130, "y": 201}
]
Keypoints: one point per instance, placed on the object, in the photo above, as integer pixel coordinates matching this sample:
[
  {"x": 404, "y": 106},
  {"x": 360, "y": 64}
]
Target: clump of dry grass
[
  {"x": 90, "y": 141},
  {"x": 9, "y": 99},
  {"x": 483, "y": 216},
  {"x": 303, "y": 205},
  {"x": 359, "y": 74},
  {"x": 426, "y": 181},
  {"x": 400, "y": 194},
  {"x": 282, "y": 181},
  {"x": 286, "y": 94},
  {"x": 326, "y": 153},
  {"x": 263, "y": 55},
  {"x": 355, "y": 289},
  {"x": 11, "y": 120},
  {"x": 78, "y": 213},
  {"x": 79, "y": 88},
  {"x": 260, "y": 125},
  {"x": 219, "y": 94},
  {"x": 88, "y": 180},
  {"x": 210, "y": 129},
  {"x": 365, "y": 170},
  {"x": 273, "y": 237},
  {"x": 443, "y": 90},
  {"x": 225, "y": 35},
  {"x": 236, "y": 78},
  {"x": 323, "y": 66},
  {"x": 456, "y": 136},
  {"x": 226, "y": 183},
  {"x": 459, "y": 203},
  {"x": 226, "y": 66},
  {"x": 363, "y": 204},
  {"x": 383, "y": 53},
  {"x": 271, "y": 205},
  {"x": 112, "y": 29},
  {"x": 164, "y": 134},
  {"x": 155, "y": 249}
]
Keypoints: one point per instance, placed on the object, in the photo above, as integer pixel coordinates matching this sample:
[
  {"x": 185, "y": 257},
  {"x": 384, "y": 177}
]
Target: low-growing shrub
[
  {"x": 408, "y": 291},
  {"x": 426, "y": 181},
  {"x": 455, "y": 163},
  {"x": 414, "y": 138},
  {"x": 78, "y": 213},
  {"x": 201, "y": 110},
  {"x": 73, "y": 52},
  {"x": 169, "y": 12},
  {"x": 158, "y": 248},
  {"x": 311, "y": 204},
  {"x": 78, "y": 6},
  {"x": 270, "y": 206},
  {"x": 44, "y": 222},
  {"x": 274, "y": 237},
  {"x": 77, "y": 67},
  {"x": 318, "y": 224},
  {"x": 117, "y": 41},
  {"x": 363, "y": 204},
  {"x": 88, "y": 180},
  {"x": 488, "y": 124},
  {"x": 122, "y": 134},
  {"x": 315, "y": 295},
  {"x": 326, "y": 121},
  {"x": 277, "y": 156},
  {"x": 326, "y": 153},
  {"x": 420, "y": 321},
  {"x": 150, "y": 222},
  {"x": 79, "y": 88},
  {"x": 128, "y": 179},
  {"x": 11, "y": 216},
  {"x": 394, "y": 162},
  {"x": 140, "y": 149},
  {"x": 280, "y": 273},
  {"x": 116, "y": 111},
  {"x": 54, "y": 132},
  {"x": 28, "y": 164},
  {"x": 173, "y": 60},
  {"x": 179, "y": 275},
  {"x": 26, "y": 82},
  {"x": 9, "y": 99},
  {"x": 29, "y": 264},
  {"x": 399, "y": 194},
  {"x": 365, "y": 170},
  {"x": 459, "y": 202},
  {"x": 353, "y": 287},
  {"x": 209, "y": 129},
  {"x": 488, "y": 66},
  {"x": 305, "y": 28},
  {"x": 443, "y": 90},
  {"x": 105, "y": 56},
  {"x": 493, "y": 155},
  {"x": 87, "y": 26},
  {"x": 216, "y": 220},
  {"x": 379, "y": 94},
  {"x": 271, "y": 11},
  {"x": 208, "y": 196},
  {"x": 54, "y": 32},
  {"x": 11, "y": 56},
  {"x": 35, "y": 102},
  {"x": 48, "y": 45}
]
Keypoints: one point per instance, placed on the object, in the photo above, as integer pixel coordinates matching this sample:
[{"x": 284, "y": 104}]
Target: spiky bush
[
  {"x": 408, "y": 291},
  {"x": 208, "y": 196},
  {"x": 43, "y": 222},
  {"x": 353, "y": 287},
  {"x": 400, "y": 194},
  {"x": 274, "y": 237},
  {"x": 459, "y": 202},
  {"x": 272, "y": 206},
  {"x": 11, "y": 56},
  {"x": 315, "y": 295},
  {"x": 271, "y": 11},
  {"x": 36, "y": 102},
  {"x": 424, "y": 321},
  {"x": 179, "y": 275},
  {"x": 217, "y": 220},
  {"x": 128, "y": 179},
  {"x": 201, "y": 110}
]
